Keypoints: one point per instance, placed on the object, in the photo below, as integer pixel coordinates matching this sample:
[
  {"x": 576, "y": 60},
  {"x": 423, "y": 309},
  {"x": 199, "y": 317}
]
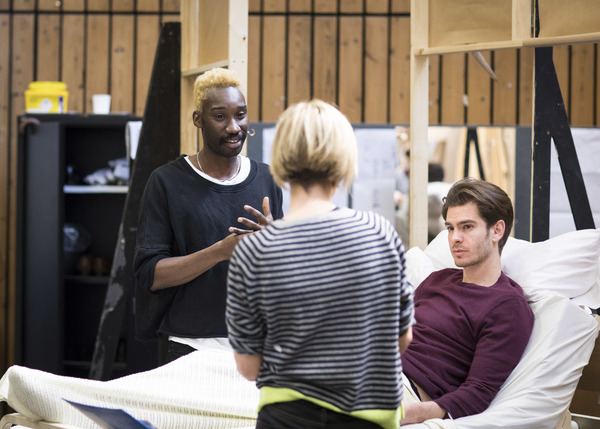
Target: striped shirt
[{"x": 324, "y": 300}]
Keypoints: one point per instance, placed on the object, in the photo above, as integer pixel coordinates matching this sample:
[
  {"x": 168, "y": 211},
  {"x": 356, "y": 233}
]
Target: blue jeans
[{"x": 303, "y": 414}]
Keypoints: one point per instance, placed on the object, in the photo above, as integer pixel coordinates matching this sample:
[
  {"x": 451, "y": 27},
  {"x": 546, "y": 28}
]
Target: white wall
[{"x": 587, "y": 145}]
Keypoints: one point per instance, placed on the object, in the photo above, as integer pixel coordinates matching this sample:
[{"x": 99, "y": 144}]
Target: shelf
[
  {"x": 95, "y": 189},
  {"x": 62, "y": 308},
  {"x": 491, "y": 46},
  {"x": 444, "y": 27},
  {"x": 468, "y": 47},
  {"x": 90, "y": 280},
  {"x": 195, "y": 71}
]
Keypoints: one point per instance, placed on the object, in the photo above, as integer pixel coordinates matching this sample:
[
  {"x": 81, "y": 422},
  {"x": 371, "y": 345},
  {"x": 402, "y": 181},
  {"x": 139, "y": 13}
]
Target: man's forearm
[
  {"x": 417, "y": 412},
  {"x": 178, "y": 270}
]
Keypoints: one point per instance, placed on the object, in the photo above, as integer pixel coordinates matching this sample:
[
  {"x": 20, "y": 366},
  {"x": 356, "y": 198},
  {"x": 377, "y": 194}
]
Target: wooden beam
[
  {"x": 214, "y": 34},
  {"x": 419, "y": 122},
  {"x": 522, "y": 12},
  {"x": 195, "y": 71},
  {"x": 483, "y": 25},
  {"x": 238, "y": 40}
]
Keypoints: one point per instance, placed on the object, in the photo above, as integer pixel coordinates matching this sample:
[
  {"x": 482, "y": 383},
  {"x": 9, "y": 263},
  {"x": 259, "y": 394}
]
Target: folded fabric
[{"x": 200, "y": 390}]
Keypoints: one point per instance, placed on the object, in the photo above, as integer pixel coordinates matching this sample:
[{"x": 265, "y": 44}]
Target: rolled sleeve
[
  {"x": 245, "y": 327},
  {"x": 407, "y": 309}
]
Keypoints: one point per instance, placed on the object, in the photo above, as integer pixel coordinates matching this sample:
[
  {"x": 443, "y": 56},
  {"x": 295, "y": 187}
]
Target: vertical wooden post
[
  {"x": 213, "y": 34},
  {"x": 522, "y": 12},
  {"x": 189, "y": 13},
  {"x": 238, "y": 41},
  {"x": 419, "y": 122}
]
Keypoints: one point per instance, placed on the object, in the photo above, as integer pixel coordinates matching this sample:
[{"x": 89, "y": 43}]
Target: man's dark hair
[{"x": 493, "y": 203}]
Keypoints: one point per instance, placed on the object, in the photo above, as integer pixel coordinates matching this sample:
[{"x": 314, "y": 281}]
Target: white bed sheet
[{"x": 200, "y": 390}]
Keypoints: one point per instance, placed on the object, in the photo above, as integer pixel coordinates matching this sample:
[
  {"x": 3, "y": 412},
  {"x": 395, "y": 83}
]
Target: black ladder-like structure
[{"x": 159, "y": 143}]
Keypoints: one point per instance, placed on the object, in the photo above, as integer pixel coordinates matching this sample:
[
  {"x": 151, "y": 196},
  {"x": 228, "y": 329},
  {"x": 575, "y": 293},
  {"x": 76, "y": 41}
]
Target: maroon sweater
[{"x": 467, "y": 339}]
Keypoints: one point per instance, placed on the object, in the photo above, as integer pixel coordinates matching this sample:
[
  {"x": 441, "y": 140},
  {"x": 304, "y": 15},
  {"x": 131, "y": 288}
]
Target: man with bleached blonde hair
[
  {"x": 215, "y": 78},
  {"x": 318, "y": 306},
  {"x": 185, "y": 235}
]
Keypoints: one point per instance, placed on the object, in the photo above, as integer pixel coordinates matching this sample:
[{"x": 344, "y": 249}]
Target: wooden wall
[
  {"x": 95, "y": 46},
  {"x": 354, "y": 53}
]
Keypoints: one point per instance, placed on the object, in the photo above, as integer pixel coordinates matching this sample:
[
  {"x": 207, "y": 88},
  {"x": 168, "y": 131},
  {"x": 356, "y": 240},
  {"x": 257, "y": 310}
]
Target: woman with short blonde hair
[
  {"x": 314, "y": 143},
  {"x": 318, "y": 306}
]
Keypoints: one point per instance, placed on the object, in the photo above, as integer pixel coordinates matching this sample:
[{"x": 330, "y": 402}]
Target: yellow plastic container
[{"x": 46, "y": 97}]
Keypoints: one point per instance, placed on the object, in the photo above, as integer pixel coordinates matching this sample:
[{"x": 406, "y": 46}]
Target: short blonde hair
[
  {"x": 214, "y": 78},
  {"x": 314, "y": 143}
]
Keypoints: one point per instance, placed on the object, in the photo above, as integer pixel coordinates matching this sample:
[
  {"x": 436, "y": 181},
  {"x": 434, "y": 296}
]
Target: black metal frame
[{"x": 550, "y": 122}]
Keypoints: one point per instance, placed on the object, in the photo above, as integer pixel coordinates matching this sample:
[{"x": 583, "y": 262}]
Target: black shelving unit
[{"x": 60, "y": 296}]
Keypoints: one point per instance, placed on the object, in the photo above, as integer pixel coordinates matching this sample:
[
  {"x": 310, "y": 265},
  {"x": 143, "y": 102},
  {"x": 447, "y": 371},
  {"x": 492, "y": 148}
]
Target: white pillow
[
  {"x": 438, "y": 251},
  {"x": 592, "y": 297},
  {"x": 566, "y": 265},
  {"x": 418, "y": 266}
]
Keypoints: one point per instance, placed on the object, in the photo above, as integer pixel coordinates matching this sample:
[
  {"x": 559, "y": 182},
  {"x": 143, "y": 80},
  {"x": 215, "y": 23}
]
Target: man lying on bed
[{"x": 472, "y": 325}]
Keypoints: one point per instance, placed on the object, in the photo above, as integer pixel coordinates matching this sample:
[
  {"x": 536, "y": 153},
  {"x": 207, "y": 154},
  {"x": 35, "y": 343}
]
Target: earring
[{"x": 251, "y": 132}]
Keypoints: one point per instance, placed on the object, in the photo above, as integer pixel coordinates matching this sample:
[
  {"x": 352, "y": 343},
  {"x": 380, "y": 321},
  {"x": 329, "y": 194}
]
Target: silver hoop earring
[{"x": 251, "y": 132}]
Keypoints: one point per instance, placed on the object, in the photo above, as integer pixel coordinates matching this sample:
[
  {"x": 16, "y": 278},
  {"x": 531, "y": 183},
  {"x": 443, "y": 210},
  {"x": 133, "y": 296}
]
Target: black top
[{"x": 182, "y": 212}]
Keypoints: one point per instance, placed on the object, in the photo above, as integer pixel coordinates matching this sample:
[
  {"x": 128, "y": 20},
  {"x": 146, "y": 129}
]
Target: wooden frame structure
[
  {"x": 453, "y": 26},
  {"x": 213, "y": 34}
]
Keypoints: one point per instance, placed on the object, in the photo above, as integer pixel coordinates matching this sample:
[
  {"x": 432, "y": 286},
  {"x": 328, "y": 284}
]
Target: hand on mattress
[{"x": 417, "y": 412}]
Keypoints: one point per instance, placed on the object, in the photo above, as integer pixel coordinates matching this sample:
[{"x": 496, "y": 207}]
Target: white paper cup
[{"x": 101, "y": 104}]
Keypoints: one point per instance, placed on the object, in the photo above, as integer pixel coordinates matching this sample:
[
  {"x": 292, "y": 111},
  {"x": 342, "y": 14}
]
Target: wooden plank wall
[
  {"x": 95, "y": 46},
  {"x": 354, "y": 53}
]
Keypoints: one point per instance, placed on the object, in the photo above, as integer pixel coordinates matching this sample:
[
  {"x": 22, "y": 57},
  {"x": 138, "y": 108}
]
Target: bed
[{"x": 560, "y": 277}]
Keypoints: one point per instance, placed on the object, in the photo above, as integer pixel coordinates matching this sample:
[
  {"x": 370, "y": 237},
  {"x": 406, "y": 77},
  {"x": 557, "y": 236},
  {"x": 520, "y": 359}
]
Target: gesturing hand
[{"x": 263, "y": 219}]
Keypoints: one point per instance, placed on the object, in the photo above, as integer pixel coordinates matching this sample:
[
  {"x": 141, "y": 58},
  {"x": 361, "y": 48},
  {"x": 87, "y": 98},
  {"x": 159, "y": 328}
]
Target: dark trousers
[
  {"x": 303, "y": 414},
  {"x": 175, "y": 350}
]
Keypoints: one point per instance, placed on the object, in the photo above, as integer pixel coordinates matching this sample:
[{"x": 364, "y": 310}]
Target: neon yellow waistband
[{"x": 388, "y": 419}]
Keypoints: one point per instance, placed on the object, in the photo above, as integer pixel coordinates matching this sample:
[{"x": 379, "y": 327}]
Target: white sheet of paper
[{"x": 374, "y": 184}]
